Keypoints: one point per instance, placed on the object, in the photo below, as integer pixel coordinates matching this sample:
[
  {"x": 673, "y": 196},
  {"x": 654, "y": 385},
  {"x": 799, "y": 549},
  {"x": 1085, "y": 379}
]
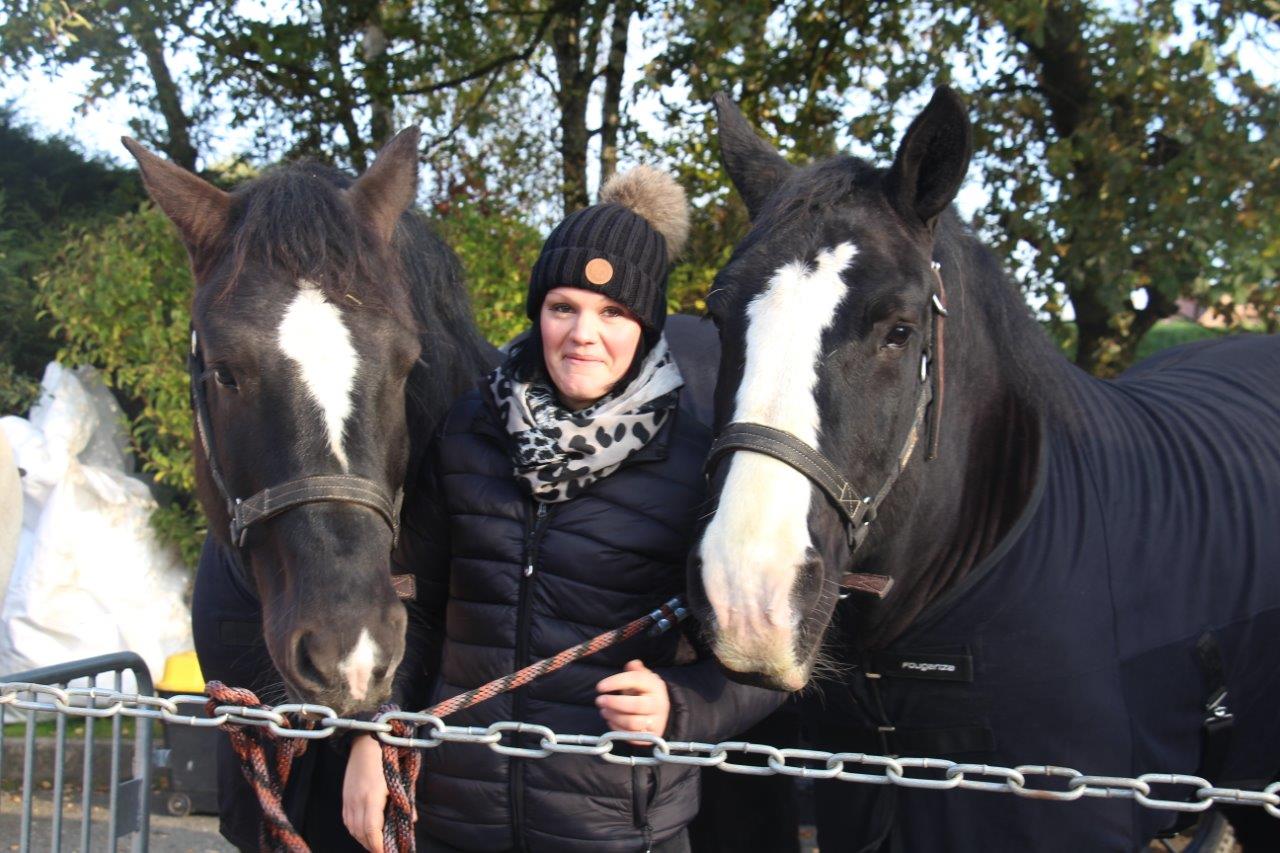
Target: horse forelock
[{"x": 294, "y": 224}]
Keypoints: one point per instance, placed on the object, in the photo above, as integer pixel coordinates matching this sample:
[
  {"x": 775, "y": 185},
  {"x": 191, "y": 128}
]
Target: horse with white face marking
[
  {"x": 331, "y": 329},
  {"x": 1006, "y": 561}
]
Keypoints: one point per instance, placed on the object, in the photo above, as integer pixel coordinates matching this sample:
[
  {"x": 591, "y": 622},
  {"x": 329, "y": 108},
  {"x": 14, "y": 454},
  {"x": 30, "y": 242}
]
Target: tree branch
[{"x": 495, "y": 64}]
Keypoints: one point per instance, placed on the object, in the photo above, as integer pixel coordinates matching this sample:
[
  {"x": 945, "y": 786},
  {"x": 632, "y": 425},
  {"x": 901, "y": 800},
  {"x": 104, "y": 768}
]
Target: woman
[{"x": 559, "y": 502}]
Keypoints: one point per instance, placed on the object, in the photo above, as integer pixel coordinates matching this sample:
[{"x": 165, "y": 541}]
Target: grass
[
  {"x": 1169, "y": 332},
  {"x": 1173, "y": 331},
  {"x": 75, "y": 728}
]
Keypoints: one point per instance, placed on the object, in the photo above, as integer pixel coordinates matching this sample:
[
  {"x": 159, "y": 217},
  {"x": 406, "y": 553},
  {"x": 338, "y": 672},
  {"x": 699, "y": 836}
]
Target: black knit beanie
[{"x": 622, "y": 247}]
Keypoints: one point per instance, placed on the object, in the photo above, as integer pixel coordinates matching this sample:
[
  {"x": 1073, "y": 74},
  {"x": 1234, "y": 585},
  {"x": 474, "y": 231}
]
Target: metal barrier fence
[
  {"x": 127, "y": 798},
  {"x": 1035, "y": 781},
  {"x": 45, "y": 691}
]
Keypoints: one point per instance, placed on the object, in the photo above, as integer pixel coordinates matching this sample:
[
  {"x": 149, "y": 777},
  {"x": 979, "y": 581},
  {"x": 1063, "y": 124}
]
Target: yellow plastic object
[{"x": 181, "y": 674}]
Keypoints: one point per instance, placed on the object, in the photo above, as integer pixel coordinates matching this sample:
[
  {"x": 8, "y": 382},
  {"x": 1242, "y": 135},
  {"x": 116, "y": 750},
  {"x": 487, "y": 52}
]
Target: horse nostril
[{"x": 307, "y": 669}]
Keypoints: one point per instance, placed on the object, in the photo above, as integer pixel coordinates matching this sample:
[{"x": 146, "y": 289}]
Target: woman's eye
[
  {"x": 561, "y": 308},
  {"x": 224, "y": 377},
  {"x": 898, "y": 336},
  {"x": 611, "y": 312}
]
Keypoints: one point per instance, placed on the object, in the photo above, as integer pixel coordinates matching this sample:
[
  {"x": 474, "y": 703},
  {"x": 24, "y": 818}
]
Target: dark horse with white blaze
[
  {"x": 331, "y": 331},
  {"x": 1003, "y": 560},
  {"x": 332, "y": 326}
]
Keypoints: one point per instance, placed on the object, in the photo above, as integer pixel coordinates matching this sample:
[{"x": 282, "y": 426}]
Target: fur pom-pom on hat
[
  {"x": 657, "y": 197},
  {"x": 622, "y": 247}
]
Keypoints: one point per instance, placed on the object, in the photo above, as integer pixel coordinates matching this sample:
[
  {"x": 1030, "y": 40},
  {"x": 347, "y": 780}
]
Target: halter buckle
[{"x": 239, "y": 530}]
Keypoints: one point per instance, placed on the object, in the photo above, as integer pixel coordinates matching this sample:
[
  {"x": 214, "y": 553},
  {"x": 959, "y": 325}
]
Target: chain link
[{"x": 647, "y": 750}]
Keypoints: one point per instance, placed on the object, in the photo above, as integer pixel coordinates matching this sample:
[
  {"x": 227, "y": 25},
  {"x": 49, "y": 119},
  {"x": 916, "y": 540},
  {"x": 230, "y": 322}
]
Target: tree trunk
[
  {"x": 377, "y": 82},
  {"x": 571, "y": 97},
  {"x": 614, "y": 69},
  {"x": 343, "y": 100},
  {"x": 178, "y": 126}
]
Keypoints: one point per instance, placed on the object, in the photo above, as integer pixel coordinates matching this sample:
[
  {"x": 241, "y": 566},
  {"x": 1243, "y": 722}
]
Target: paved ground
[{"x": 191, "y": 834}]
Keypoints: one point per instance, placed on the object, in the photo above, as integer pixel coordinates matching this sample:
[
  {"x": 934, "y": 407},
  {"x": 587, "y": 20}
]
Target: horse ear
[
  {"x": 389, "y": 186},
  {"x": 755, "y": 168},
  {"x": 932, "y": 160},
  {"x": 195, "y": 206}
]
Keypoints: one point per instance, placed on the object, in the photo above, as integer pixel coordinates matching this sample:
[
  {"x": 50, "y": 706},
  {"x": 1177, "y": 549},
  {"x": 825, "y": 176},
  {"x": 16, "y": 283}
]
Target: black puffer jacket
[{"x": 503, "y": 581}]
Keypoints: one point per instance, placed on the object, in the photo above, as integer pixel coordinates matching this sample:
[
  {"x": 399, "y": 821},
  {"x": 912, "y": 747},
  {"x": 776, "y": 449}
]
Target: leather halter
[
  {"x": 857, "y": 508},
  {"x": 278, "y": 499}
]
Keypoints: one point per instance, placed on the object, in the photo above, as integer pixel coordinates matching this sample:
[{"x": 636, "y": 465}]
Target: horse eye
[
  {"x": 898, "y": 336},
  {"x": 224, "y": 377}
]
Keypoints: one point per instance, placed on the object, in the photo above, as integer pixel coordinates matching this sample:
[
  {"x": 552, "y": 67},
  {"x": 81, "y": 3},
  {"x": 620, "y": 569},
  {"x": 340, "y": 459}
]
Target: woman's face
[{"x": 588, "y": 342}]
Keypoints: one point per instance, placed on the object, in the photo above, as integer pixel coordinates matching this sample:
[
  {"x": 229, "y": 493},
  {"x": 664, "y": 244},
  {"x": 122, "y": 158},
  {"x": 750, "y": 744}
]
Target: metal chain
[{"x": 1034, "y": 781}]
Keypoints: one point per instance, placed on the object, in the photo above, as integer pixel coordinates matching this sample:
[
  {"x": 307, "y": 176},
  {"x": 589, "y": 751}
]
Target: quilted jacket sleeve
[
  {"x": 423, "y": 551},
  {"x": 707, "y": 706}
]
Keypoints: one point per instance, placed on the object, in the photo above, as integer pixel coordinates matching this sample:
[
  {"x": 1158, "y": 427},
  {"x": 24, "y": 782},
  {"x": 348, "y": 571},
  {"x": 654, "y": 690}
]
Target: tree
[
  {"x": 46, "y": 186},
  {"x": 581, "y": 33},
  {"x": 1122, "y": 152},
  {"x": 128, "y": 46}
]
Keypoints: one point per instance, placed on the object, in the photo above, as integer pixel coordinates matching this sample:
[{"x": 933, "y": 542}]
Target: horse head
[
  {"x": 830, "y": 315},
  {"x": 303, "y": 338}
]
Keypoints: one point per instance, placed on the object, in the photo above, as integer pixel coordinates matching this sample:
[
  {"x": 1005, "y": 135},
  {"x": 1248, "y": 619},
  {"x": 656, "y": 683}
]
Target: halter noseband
[
  {"x": 278, "y": 499},
  {"x": 857, "y": 508}
]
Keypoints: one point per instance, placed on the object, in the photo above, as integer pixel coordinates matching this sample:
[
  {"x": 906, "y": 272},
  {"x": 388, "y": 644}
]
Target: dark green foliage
[
  {"x": 497, "y": 250},
  {"x": 118, "y": 297},
  {"x": 1123, "y": 149},
  {"x": 46, "y": 186}
]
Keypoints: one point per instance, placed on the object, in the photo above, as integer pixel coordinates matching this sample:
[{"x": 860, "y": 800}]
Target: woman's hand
[
  {"x": 364, "y": 793},
  {"x": 634, "y": 700}
]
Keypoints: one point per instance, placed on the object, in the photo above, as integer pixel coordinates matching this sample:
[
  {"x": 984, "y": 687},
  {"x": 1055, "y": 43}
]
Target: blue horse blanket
[{"x": 1149, "y": 550}]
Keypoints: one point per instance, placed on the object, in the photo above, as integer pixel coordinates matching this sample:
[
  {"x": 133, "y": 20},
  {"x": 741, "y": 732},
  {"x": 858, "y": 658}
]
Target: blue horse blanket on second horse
[{"x": 1142, "y": 579}]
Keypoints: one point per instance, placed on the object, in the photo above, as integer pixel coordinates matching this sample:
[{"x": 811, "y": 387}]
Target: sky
[{"x": 52, "y": 103}]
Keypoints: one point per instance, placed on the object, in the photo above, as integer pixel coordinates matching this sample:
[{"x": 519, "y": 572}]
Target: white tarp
[
  {"x": 10, "y": 512},
  {"x": 90, "y": 576}
]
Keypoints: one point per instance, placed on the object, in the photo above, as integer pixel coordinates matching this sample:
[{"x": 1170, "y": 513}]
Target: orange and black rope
[
  {"x": 268, "y": 780},
  {"x": 399, "y": 764}
]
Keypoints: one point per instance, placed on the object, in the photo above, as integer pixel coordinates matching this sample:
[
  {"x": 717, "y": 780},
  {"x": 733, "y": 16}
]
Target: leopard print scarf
[{"x": 559, "y": 452}]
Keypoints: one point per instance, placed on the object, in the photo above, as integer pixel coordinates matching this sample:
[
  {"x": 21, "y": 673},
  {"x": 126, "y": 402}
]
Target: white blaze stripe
[
  {"x": 357, "y": 667},
  {"x": 760, "y": 533},
  {"x": 314, "y": 337}
]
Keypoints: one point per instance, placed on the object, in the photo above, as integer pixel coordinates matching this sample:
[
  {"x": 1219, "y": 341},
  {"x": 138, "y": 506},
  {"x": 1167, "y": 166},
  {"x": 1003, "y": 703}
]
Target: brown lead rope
[
  {"x": 401, "y": 764},
  {"x": 268, "y": 779}
]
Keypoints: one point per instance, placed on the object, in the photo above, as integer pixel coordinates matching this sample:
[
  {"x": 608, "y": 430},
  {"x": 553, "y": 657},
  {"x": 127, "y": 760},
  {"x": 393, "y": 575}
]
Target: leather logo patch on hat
[{"x": 599, "y": 271}]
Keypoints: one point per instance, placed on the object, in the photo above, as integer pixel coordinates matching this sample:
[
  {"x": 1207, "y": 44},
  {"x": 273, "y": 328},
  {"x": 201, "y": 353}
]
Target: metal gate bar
[{"x": 127, "y": 808}]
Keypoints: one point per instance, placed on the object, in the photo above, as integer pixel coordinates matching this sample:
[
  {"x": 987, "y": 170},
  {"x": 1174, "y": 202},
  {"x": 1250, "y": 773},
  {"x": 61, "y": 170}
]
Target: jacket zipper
[{"x": 533, "y": 539}]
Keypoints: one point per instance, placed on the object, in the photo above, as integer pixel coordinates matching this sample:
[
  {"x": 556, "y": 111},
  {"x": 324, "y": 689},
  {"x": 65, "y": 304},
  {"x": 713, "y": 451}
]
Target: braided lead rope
[
  {"x": 662, "y": 618},
  {"x": 276, "y": 834},
  {"x": 401, "y": 764}
]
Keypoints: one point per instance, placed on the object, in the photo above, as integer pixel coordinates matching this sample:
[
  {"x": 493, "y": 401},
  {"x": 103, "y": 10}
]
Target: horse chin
[
  {"x": 779, "y": 670},
  {"x": 342, "y": 703}
]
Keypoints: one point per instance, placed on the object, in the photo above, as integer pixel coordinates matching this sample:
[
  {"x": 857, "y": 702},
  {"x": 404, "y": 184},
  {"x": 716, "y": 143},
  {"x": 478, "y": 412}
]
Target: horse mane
[
  {"x": 1032, "y": 365},
  {"x": 293, "y": 221}
]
